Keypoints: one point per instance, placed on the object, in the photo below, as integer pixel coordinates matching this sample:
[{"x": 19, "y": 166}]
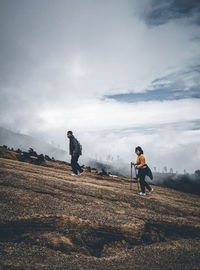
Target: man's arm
[{"x": 75, "y": 147}]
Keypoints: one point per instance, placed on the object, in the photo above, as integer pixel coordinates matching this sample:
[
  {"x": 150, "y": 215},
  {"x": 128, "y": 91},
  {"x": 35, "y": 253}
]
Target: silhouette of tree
[
  {"x": 103, "y": 172},
  {"x": 47, "y": 157},
  {"x": 41, "y": 159},
  {"x": 25, "y": 156},
  {"x": 108, "y": 157},
  {"x": 197, "y": 173},
  {"x": 88, "y": 168},
  {"x": 32, "y": 152},
  {"x": 165, "y": 169}
]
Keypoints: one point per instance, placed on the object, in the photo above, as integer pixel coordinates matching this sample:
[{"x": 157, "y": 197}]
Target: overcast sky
[{"x": 119, "y": 73}]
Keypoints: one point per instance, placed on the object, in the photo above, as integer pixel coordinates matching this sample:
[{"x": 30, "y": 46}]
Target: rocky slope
[{"x": 51, "y": 220}]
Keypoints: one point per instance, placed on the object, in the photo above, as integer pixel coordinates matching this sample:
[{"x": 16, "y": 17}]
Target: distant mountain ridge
[{"x": 24, "y": 142}]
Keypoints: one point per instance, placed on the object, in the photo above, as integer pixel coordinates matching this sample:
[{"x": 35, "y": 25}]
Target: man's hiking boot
[
  {"x": 150, "y": 191},
  {"x": 73, "y": 174},
  {"x": 143, "y": 194},
  {"x": 81, "y": 173}
]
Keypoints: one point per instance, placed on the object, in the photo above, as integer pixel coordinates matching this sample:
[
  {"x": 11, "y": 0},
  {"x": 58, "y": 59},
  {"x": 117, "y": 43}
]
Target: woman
[{"x": 142, "y": 167}]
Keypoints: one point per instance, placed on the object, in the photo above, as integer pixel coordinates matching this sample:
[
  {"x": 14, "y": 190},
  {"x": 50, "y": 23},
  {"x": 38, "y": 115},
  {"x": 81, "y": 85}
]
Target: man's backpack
[{"x": 80, "y": 147}]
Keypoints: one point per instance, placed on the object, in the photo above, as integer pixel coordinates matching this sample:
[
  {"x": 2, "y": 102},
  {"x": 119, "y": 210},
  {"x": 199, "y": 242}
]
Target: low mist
[{"x": 107, "y": 156}]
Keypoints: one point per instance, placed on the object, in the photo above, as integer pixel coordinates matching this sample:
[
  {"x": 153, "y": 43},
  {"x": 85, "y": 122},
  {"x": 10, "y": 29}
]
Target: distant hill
[{"x": 24, "y": 142}]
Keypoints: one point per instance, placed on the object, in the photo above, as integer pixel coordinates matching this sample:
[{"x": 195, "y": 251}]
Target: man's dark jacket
[{"x": 74, "y": 146}]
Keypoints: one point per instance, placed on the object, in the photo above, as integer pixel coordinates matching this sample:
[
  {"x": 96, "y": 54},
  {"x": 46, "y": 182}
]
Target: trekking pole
[
  {"x": 131, "y": 176},
  {"x": 137, "y": 180}
]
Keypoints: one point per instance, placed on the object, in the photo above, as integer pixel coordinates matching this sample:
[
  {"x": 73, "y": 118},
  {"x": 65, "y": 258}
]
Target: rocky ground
[{"x": 52, "y": 220}]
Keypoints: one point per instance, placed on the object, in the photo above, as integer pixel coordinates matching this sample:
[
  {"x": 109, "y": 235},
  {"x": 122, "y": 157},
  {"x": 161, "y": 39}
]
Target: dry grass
[{"x": 51, "y": 220}]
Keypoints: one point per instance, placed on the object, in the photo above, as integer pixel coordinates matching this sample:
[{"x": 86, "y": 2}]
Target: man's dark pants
[
  {"x": 75, "y": 166},
  {"x": 143, "y": 183}
]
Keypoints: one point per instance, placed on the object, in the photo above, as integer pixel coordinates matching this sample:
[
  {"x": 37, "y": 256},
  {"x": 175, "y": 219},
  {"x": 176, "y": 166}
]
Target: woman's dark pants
[
  {"x": 75, "y": 166},
  {"x": 143, "y": 183}
]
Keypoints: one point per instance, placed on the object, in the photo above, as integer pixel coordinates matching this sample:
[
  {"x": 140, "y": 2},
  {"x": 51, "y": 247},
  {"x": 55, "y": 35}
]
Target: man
[{"x": 75, "y": 152}]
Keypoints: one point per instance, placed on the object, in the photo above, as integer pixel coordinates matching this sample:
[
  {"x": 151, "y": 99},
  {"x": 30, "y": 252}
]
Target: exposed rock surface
[{"x": 52, "y": 220}]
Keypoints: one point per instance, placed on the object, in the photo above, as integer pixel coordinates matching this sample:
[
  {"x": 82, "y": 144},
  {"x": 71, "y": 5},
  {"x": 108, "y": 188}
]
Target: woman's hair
[{"x": 139, "y": 149}]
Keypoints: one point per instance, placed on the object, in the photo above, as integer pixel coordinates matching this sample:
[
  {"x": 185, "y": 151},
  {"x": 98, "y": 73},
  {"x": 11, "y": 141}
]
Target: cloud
[
  {"x": 166, "y": 130},
  {"x": 60, "y": 59},
  {"x": 178, "y": 85},
  {"x": 95, "y": 115},
  {"x": 161, "y": 12},
  {"x": 166, "y": 146}
]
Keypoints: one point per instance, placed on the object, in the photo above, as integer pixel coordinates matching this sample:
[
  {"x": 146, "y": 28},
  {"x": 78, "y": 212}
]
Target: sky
[{"x": 118, "y": 73}]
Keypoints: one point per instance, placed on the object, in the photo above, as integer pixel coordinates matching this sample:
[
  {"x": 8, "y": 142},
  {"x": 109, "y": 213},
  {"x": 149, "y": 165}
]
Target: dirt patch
[{"x": 73, "y": 235}]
